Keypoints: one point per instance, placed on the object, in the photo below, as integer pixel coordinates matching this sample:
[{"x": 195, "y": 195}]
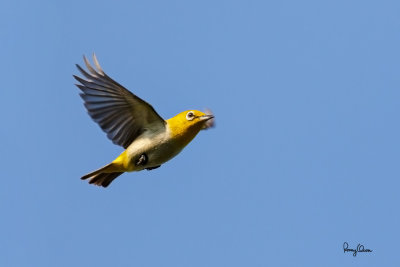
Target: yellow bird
[{"x": 132, "y": 123}]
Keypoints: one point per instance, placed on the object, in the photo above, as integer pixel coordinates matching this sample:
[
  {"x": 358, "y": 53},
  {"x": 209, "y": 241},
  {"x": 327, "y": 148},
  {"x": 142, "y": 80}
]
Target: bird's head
[{"x": 188, "y": 123}]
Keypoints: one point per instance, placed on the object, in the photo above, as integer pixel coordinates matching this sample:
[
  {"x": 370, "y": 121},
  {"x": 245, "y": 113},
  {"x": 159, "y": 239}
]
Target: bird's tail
[{"x": 103, "y": 176}]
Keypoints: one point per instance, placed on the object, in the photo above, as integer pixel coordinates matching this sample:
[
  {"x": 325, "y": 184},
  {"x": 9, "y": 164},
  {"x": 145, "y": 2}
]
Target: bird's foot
[{"x": 142, "y": 160}]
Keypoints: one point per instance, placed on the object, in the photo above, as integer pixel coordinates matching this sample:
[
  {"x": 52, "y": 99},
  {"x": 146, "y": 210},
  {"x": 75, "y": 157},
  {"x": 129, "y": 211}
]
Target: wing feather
[{"x": 120, "y": 113}]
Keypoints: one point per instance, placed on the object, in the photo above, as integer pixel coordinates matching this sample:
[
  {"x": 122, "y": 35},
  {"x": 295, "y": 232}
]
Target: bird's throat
[{"x": 183, "y": 135}]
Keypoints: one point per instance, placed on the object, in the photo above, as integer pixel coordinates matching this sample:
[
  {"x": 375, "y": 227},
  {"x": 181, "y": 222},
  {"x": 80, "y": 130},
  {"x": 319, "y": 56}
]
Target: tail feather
[
  {"x": 104, "y": 179},
  {"x": 103, "y": 176}
]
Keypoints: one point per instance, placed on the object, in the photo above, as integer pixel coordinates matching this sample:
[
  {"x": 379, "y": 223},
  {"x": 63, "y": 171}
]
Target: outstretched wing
[{"x": 121, "y": 114}]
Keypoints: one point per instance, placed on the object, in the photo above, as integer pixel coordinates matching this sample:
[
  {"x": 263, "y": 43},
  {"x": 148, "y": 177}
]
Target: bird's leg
[
  {"x": 142, "y": 160},
  {"x": 152, "y": 168}
]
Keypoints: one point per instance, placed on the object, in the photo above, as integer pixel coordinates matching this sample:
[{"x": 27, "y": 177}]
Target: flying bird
[{"x": 149, "y": 140}]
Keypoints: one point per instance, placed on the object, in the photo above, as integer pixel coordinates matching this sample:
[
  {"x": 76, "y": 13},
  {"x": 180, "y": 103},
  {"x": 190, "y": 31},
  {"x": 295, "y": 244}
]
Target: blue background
[{"x": 304, "y": 156}]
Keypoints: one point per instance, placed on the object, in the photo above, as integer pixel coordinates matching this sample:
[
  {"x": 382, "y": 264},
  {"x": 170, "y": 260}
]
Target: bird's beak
[
  {"x": 206, "y": 117},
  {"x": 208, "y": 120}
]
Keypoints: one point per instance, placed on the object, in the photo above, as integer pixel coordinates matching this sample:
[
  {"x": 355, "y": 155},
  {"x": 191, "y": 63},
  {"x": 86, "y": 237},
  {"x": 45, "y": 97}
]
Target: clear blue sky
[{"x": 305, "y": 155}]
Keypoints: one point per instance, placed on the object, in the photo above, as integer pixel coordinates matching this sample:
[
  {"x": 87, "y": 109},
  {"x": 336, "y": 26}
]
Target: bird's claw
[{"x": 142, "y": 160}]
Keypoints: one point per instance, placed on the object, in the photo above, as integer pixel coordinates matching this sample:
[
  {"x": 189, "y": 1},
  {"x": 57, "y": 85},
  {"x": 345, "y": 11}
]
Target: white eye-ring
[{"x": 190, "y": 116}]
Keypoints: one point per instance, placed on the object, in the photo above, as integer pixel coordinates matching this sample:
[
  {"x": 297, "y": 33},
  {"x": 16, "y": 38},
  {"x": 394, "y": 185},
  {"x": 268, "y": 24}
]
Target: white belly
[{"x": 157, "y": 147}]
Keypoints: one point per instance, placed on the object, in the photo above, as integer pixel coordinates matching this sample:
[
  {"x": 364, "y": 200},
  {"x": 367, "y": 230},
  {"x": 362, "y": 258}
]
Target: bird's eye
[{"x": 190, "y": 116}]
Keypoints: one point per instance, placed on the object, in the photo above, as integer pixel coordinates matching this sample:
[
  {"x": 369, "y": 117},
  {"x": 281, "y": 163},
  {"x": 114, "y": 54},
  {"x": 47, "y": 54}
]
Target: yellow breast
[{"x": 181, "y": 132}]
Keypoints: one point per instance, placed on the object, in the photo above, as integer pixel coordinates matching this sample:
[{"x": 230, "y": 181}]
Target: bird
[{"x": 149, "y": 140}]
